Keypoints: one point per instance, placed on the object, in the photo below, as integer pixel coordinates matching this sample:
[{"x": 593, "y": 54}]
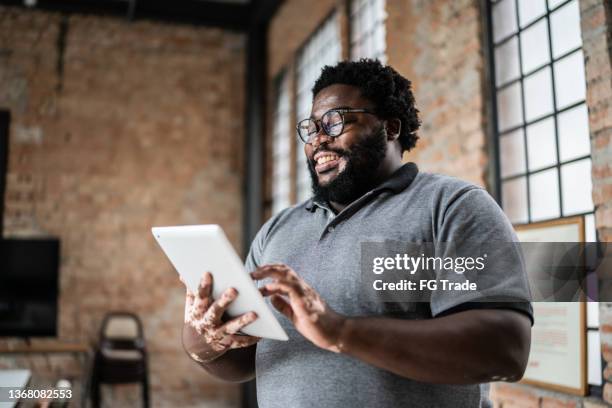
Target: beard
[{"x": 360, "y": 174}]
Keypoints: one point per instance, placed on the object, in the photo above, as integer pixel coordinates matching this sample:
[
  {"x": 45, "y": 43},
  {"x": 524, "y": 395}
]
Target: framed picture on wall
[{"x": 557, "y": 359}]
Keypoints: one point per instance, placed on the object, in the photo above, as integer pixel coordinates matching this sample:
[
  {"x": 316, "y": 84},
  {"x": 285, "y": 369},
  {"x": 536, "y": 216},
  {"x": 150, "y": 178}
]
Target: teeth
[{"x": 325, "y": 159}]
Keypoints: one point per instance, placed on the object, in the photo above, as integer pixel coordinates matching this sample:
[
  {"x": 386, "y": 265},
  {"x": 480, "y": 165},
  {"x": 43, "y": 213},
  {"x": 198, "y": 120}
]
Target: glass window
[
  {"x": 594, "y": 355},
  {"x": 565, "y": 29},
  {"x": 574, "y": 133},
  {"x": 538, "y": 95},
  {"x": 281, "y": 146},
  {"x": 504, "y": 19},
  {"x": 554, "y": 3},
  {"x": 541, "y": 144},
  {"x": 512, "y": 153},
  {"x": 323, "y": 48},
  {"x": 545, "y": 105},
  {"x": 542, "y": 120},
  {"x": 570, "y": 83},
  {"x": 514, "y": 199},
  {"x": 368, "y": 29},
  {"x": 508, "y": 52},
  {"x": 530, "y": 10},
  {"x": 576, "y": 186},
  {"x": 534, "y": 46},
  {"x": 544, "y": 195},
  {"x": 509, "y": 107}
]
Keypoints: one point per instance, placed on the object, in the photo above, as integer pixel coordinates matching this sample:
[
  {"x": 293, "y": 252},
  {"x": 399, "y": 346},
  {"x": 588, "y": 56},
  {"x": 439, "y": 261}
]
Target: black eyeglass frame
[{"x": 340, "y": 111}]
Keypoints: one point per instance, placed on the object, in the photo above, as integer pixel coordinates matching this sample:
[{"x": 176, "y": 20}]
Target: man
[{"x": 343, "y": 351}]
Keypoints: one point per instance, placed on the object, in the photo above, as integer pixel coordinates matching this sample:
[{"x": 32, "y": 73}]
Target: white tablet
[{"x": 195, "y": 249}]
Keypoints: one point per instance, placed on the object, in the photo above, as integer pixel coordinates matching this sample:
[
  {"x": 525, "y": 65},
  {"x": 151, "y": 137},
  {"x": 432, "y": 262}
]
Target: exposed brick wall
[
  {"x": 443, "y": 59},
  {"x": 437, "y": 44},
  {"x": 596, "y": 21},
  {"x": 141, "y": 126},
  {"x": 400, "y": 30}
]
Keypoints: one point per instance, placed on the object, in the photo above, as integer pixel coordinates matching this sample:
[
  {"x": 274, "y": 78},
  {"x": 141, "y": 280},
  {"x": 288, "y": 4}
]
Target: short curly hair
[{"x": 390, "y": 92}]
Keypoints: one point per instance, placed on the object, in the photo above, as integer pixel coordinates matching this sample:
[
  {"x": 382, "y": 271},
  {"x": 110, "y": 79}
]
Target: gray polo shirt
[{"x": 324, "y": 249}]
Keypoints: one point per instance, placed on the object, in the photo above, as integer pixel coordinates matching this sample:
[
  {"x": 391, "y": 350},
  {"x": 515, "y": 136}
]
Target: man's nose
[{"x": 319, "y": 138}]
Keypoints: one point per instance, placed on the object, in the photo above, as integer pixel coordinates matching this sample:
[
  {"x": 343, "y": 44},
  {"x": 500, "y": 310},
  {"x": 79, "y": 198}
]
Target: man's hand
[
  {"x": 308, "y": 312},
  {"x": 204, "y": 314}
]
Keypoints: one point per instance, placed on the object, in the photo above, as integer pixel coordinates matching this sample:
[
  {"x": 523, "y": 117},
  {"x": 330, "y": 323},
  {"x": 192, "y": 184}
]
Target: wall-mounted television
[{"x": 29, "y": 281}]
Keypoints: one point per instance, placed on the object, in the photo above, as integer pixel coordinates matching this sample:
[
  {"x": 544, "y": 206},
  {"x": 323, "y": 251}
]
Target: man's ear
[{"x": 394, "y": 128}]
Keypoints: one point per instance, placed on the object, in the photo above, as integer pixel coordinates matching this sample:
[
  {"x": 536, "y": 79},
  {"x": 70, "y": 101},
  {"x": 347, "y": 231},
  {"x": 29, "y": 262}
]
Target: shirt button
[{"x": 330, "y": 229}]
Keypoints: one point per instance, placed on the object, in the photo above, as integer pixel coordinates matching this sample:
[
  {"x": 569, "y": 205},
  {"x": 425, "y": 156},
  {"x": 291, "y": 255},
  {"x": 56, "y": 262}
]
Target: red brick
[
  {"x": 147, "y": 130},
  {"x": 607, "y": 392}
]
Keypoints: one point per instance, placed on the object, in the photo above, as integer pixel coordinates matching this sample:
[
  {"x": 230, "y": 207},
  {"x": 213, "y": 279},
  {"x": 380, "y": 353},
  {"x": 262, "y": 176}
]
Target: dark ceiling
[{"x": 231, "y": 14}]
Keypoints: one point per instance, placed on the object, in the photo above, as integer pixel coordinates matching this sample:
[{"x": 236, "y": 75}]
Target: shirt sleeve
[
  {"x": 253, "y": 258},
  {"x": 473, "y": 225}
]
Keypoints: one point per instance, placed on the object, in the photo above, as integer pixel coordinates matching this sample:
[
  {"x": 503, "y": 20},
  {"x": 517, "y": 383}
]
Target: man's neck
[{"x": 386, "y": 170}]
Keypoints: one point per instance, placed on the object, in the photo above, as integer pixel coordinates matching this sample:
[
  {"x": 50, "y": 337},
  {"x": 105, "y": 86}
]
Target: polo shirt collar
[{"x": 398, "y": 181}]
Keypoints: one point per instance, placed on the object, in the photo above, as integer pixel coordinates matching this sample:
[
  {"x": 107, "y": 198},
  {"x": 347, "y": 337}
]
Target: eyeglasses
[{"x": 332, "y": 123}]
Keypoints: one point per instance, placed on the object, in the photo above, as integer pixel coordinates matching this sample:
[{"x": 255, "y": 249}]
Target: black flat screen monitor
[{"x": 29, "y": 271}]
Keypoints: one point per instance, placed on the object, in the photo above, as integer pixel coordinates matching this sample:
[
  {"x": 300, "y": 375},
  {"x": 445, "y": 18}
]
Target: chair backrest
[{"x": 121, "y": 325}]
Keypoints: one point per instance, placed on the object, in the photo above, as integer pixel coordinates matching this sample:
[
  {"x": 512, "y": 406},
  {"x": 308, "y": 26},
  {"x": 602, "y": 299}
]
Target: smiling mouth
[{"x": 326, "y": 162}]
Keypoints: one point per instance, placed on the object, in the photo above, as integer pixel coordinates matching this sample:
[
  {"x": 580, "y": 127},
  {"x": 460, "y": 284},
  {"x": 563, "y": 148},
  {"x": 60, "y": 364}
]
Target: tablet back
[{"x": 195, "y": 249}]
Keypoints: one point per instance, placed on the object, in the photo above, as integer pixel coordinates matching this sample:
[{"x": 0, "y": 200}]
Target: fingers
[
  {"x": 205, "y": 286},
  {"x": 291, "y": 289},
  {"x": 202, "y": 301},
  {"x": 213, "y": 315},
  {"x": 189, "y": 299},
  {"x": 278, "y": 271},
  {"x": 282, "y": 306},
  {"x": 235, "y": 325},
  {"x": 239, "y": 341}
]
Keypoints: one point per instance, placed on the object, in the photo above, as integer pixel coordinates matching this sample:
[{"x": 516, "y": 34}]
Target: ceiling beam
[{"x": 232, "y": 16}]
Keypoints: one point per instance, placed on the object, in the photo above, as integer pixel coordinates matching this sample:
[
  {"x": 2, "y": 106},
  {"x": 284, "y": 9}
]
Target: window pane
[
  {"x": 534, "y": 46},
  {"x": 507, "y": 61},
  {"x": 576, "y": 186},
  {"x": 281, "y": 149},
  {"x": 512, "y": 153},
  {"x": 322, "y": 49},
  {"x": 592, "y": 314},
  {"x": 541, "y": 144},
  {"x": 538, "y": 95},
  {"x": 589, "y": 227},
  {"x": 355, "y": 25},
  {"x": 514, "y": 200},
  {"x": 554, "y": 3},
  {"x": 544, "y": 195},
  {"x": 504, "y": 19},
  {"x": 509, "y": 107},
  {"x": 380, "y": 43},
  {"x": 530, "y": 10},
  {"x": 368, "y": 29},
  {"x": 570, "y": 84},
  {"x": 565, "y": 29},
  {"x": 594, "y": 357},
  {"x": 574, "y": 133}
]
